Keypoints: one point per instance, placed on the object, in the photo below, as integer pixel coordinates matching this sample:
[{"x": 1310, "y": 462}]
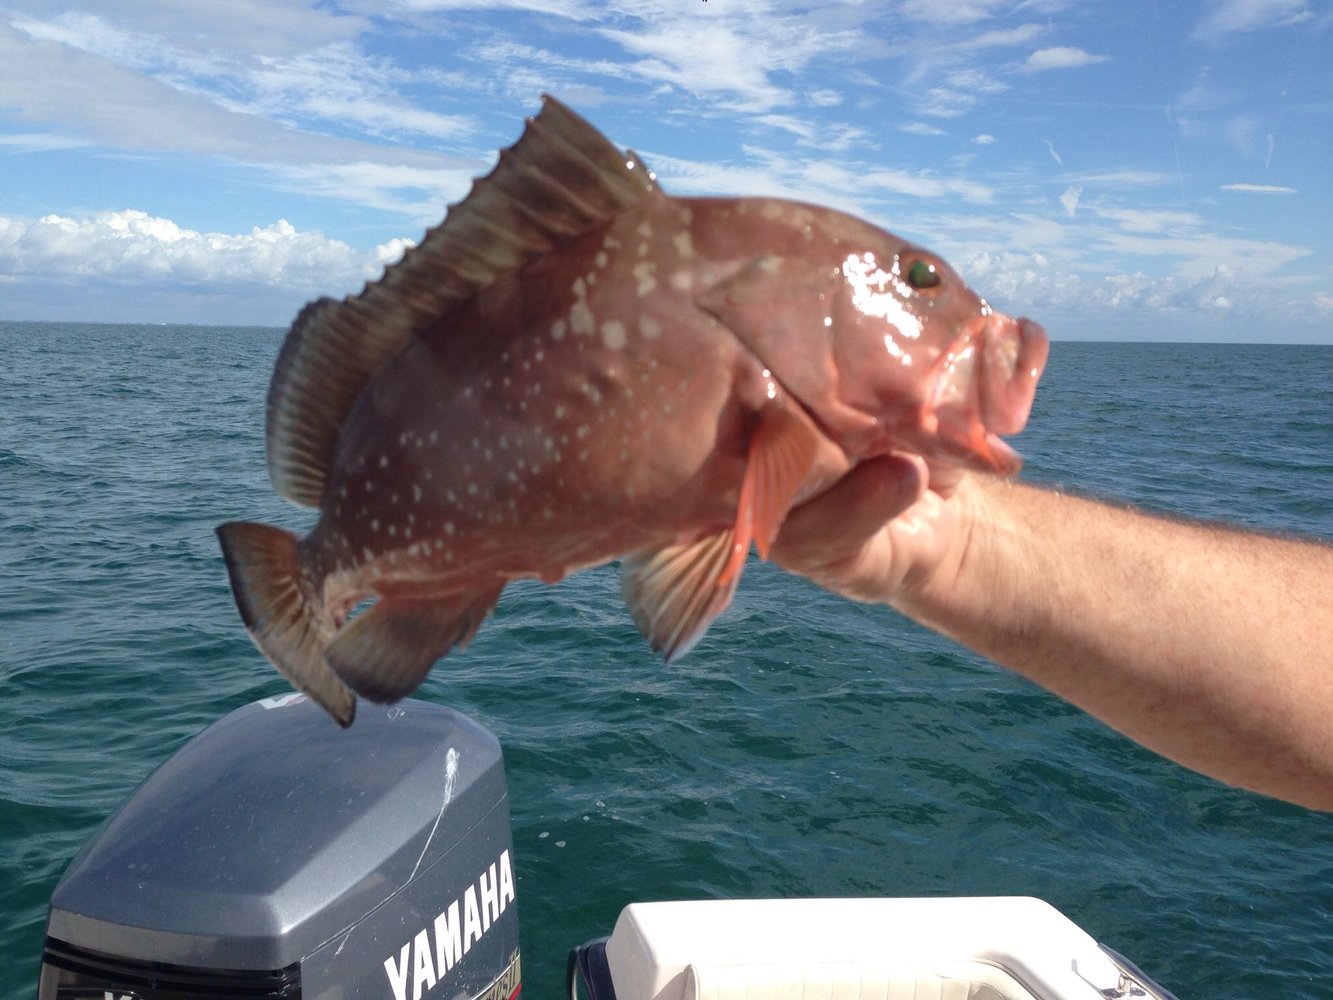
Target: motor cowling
[{"x": 276, "y": 855}]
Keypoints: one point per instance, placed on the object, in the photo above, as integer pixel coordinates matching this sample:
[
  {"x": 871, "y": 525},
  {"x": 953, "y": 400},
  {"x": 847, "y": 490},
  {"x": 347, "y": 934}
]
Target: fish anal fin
[
  {"x": 560, "y": 180},
  {"x": 281, "y": 613},
  {"x": 384, "y": 653},
  {"x": 674, "y": 593},
  {"x": 781, "y": 455}
]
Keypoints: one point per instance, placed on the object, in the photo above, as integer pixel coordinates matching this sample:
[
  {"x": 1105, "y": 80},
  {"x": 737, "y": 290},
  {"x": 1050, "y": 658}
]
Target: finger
[{"x": 838, "y": 522}]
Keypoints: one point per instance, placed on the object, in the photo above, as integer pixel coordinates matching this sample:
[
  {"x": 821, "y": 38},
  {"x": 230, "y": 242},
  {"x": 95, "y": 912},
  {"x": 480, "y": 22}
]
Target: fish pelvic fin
[
  {"x": 281, "y": 612},
  {"x": 560, "y": 180},
  {"x": 674, "y": 593},
  {"x": 385, "y": 652}
]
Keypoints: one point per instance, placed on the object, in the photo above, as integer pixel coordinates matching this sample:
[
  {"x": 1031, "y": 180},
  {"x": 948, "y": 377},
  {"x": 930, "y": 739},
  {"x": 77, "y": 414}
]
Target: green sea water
[{"x": 808, "y": 746}]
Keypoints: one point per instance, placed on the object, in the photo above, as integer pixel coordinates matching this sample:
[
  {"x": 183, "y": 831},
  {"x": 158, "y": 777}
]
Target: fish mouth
[{"x": 984, "y": 386}]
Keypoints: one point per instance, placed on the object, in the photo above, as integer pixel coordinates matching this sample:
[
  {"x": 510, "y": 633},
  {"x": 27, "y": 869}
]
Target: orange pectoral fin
[{"x": 782, "y": 452}]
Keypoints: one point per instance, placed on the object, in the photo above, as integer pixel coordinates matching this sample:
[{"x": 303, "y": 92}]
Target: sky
[{"x": 1116, "y": 169}]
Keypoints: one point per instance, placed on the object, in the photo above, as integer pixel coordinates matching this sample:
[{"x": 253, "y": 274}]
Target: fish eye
[{"x": 923, "y": 275}]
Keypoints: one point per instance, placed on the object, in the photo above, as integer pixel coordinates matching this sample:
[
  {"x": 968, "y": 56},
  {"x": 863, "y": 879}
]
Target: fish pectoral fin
[
  {"x": 281, "y": 613},
  {"x": 384, "y": 653},
  {"x": 674, "y": 593},
  {"x": 782, "y": 453}
]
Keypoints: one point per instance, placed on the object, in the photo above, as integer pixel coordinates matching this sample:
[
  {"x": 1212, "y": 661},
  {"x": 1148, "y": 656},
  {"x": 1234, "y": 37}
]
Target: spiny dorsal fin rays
[{"x": 561, "y": 179}]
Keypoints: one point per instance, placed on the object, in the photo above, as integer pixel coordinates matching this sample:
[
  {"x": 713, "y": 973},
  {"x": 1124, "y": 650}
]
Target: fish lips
[{"x": 984, "y": 387}]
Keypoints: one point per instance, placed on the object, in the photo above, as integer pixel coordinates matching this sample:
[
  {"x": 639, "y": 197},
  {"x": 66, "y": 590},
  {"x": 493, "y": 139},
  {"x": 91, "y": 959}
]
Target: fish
[{"x": 575, "y": 368}]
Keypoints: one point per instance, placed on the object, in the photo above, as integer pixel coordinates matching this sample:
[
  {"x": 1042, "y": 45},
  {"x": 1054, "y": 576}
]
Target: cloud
[
  {"x": 1004, "y": 37},
  {"x": 1070, "y": 199},
  {"x": 921, "y": 128},
  {"x": 1226, "y": 18},
  {"x": 732, "y": 60},
  {"x": 1260, "y": 188},
  {"x": 984, "y": 139},
  {"x": 954, "y": 13},
  {"x": 959, "y": 92},
  {"x": 1141, "y": 220},
  {"x": 1060, "y": 57},
  {"x": 1050, "y": 148},
  {"x": 134, "y": 247},
  {"x": 847, "y": 184},
  {"x": 331, "y": 82},
  {"x": 102, "y": 104}
]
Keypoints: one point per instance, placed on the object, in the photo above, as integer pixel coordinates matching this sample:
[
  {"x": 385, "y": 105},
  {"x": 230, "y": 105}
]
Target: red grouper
[{"x": 574, "y": 367}]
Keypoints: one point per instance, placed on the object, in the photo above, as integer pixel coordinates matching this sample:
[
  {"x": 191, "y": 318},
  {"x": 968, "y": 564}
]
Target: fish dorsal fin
[{"x": 561, "y": 180}]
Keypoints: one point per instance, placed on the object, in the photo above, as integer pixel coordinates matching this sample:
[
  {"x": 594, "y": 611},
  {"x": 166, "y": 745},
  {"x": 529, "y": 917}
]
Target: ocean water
[{"x": 808, "y": 746}]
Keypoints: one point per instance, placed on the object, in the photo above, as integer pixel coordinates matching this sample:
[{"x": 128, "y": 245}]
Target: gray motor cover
[{"x": 275, "y": 838}]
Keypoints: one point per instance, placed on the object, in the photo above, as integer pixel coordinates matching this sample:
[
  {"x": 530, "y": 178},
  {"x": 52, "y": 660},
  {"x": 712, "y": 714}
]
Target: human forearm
[{"x": 1211, "y": 646}]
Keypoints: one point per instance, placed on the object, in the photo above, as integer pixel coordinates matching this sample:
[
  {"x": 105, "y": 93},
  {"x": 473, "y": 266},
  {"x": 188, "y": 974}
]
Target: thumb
[{"x": 834, "y": 527}]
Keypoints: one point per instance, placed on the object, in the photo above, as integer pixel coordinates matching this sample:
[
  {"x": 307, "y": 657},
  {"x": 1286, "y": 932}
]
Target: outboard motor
[{"x": 278, "y": 856}]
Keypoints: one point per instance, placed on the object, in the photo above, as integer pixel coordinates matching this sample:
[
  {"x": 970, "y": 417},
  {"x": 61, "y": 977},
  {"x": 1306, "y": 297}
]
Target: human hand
[{"x": 879, "y": 532}]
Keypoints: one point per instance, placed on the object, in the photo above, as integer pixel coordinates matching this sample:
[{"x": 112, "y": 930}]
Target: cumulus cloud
[{"x": 133, "y": 246}]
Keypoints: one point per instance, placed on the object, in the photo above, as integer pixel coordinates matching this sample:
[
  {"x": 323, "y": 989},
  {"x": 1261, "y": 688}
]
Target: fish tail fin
[{"x": 282, "y": 613}]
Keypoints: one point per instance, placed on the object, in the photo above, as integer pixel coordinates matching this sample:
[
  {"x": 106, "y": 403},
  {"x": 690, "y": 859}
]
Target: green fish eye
[{"x": 922, "y": 275}]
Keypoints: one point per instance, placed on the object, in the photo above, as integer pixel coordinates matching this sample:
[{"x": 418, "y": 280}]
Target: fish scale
[{"x": 575, "y": 368}]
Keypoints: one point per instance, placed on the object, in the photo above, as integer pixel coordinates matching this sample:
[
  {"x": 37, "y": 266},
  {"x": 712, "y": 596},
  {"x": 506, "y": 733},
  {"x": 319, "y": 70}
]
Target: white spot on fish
[
  {"x": 375, "y": 524},
  {"x": 384, "y": 461},
  {"x": 649, "y": 327},
  {"x": 601, "y": 258},
  {"x": 681, "y": 281},
  {"x": 645, "y": 229},
  {"x": 645, "y": 273},
  {"x": 580, "y": 317},
  {"x": 684, "y": 244},
  {"x": 448, "y": 527},
  {"x": 416, "y": 493},
  {"x": 557, "y": 330},
  {"x": 582, "y": 432},
  {"x": 613, "y": 335}
]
